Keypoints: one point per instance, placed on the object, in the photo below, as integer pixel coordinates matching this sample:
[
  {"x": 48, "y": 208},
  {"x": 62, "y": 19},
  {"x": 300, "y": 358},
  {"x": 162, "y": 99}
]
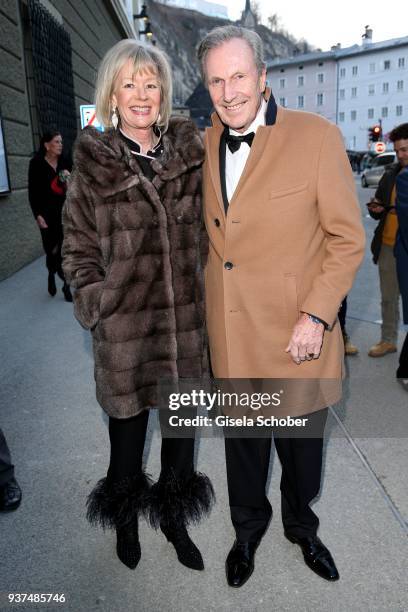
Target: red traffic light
[{"x": 375, "y": 133}]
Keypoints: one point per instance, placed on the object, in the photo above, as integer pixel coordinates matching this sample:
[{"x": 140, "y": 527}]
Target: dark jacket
[
  {"x": 133, "y": 251},
  {"x": 46, "y": 194},
  {"x": 401, "y": 245},
  {"x": 383, "y": 194}
]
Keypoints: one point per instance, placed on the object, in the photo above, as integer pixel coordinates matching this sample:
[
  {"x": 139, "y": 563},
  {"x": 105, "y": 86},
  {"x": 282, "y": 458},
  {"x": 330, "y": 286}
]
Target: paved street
[{"x": 58, "y": 438}]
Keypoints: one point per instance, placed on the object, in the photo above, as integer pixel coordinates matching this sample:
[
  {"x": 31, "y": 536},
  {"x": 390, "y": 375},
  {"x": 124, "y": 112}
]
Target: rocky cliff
[{"x": 179, "y": 31}]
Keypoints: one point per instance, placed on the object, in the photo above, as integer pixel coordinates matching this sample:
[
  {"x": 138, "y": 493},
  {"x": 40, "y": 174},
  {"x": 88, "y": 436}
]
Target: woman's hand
[{"x": 41, "y": 222}]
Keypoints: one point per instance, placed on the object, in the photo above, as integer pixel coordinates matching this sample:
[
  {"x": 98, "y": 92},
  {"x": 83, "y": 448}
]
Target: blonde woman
[{"x": 133, "y": 252}]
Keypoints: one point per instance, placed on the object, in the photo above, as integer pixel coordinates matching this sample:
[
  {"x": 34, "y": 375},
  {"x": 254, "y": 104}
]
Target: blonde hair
[{"x": 143, "y": 56}]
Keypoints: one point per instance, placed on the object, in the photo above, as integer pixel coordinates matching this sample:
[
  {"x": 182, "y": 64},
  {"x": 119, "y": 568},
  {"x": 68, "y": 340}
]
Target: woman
[
  {"x": 132, "y": 251},
  {"x": 47, "y": 182}
]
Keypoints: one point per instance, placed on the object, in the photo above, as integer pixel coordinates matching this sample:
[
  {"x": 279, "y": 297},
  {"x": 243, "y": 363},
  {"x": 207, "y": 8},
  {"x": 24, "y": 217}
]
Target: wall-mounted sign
[
  {"x": 88, "y": 117},
  {"x": 4, "y": 173}
]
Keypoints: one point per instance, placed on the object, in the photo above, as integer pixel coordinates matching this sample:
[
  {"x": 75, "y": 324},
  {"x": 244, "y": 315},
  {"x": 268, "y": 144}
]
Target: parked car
[{"x": 372, "y": 174}]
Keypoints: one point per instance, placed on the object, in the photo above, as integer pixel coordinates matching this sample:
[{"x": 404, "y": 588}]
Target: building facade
[
  {"x": 89, "y": 31},
  {"x": 356, "y": 87}
]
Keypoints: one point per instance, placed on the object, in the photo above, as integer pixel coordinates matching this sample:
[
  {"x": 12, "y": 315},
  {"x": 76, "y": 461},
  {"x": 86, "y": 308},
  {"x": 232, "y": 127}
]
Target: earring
[{"x": 114, "y": 119}]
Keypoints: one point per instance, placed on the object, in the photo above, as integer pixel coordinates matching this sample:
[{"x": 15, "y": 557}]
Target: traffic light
[{"x": 374, "y": 133}]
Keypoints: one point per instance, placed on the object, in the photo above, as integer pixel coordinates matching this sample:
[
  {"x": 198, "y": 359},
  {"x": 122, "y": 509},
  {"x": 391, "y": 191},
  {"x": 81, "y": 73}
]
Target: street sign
[
  {"x": 379, "y": 147},
  {"x": 88, "y": 117}
]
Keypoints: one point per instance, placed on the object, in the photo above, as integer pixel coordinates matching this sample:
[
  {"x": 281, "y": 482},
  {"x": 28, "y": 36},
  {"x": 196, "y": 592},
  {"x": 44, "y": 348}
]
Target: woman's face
[
  {"x": 54, "y": 146},
  {"x": 137, "y": 97}
]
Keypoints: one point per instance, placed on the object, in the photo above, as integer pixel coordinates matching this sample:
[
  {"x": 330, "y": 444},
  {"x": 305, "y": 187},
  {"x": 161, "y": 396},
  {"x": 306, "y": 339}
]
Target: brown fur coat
[{"x": 134, "y": 251}]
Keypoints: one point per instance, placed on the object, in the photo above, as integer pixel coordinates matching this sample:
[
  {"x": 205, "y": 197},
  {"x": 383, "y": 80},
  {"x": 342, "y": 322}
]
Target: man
[
  {"x": 382, "y": 208},
  {"x": 401, "y": 255},
  {"x": 10, "y": 492},
  {"x": 285, "y": 242}
]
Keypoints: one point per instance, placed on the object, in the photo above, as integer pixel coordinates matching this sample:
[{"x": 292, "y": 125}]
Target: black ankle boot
[
  {"x": 52, "y": 289},
  {"x": 117, "y": 505},
  {"x": 187, "y": 552},
  {"x": 67, "y": 292},
  {"x": 128, "y": 545}
]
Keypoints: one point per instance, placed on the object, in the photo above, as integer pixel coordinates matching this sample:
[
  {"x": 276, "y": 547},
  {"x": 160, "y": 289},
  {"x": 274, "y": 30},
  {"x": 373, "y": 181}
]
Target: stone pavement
[{"x": 58, "y": 438}]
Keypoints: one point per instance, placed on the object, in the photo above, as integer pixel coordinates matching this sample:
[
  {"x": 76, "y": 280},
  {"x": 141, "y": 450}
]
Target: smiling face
[
  {"x": 401, "y": 149},
  {"x": 234, "y": 84},
  {"x": 137, "y": 98}
]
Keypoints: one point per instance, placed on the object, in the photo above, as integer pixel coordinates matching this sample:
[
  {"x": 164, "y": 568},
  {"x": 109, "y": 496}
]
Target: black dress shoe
[
  {"x": 52, "y": 289},
  {"x": 10, "y": 496},
  {"x": 240, "y": 562},
  {"x": 316, "y": 556},
  {"x": 187, "y": 552}
]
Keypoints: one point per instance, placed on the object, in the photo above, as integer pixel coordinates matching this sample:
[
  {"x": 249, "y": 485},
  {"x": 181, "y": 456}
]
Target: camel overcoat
[
  {"x": 291, "y": 242},
  {"x": 134, "y": 250}
]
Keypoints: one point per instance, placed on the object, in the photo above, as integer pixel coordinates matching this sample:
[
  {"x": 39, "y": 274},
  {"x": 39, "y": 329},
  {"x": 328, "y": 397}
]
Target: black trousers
[
  {"x": 247, "y": 471},
  {"x": 6, "y": 467},
  {"x": 52, "y": 239},
  {"x": 402, "y": 371},
  {"x": 342, "y": 315},
  {"x": 127, "y": 439}
]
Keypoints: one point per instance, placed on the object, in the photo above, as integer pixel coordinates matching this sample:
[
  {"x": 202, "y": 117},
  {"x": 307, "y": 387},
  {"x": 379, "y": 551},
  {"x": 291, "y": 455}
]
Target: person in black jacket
[
  {"x": 47, "y": 184},
  {"x": 382, "y": 208}
]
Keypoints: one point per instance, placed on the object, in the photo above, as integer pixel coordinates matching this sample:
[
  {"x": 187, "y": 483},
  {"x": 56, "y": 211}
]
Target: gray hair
[
  {"x": 142, "y": 55},
  {"x": 223, "y": 34}
]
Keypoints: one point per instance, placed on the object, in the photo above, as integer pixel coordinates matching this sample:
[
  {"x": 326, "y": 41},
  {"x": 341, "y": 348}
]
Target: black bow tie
[{"x": 234, "y": 142}]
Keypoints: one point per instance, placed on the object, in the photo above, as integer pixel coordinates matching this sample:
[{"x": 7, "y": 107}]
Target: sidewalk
[{"x": 58, "y": 438}]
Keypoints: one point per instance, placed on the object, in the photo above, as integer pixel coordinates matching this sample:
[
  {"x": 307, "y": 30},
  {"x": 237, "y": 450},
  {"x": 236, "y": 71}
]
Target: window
[
  {"x": 282, "y": 101},
  {"x": 342, "y": 94},
  {"x": 320, "y": 77},
  {"x": 301, "y": 101},
  {"x": 353, "y": 115},
  {"x": 372, "y": 67},
  {"x": 384, "y": 111},
  {"x": 400, "y": 85},
  {"x": 282, "y": 83},
  {"x": 319, "y": 99},
  {"x": 342, "y": 73},
  {"x": 401, "y": 62},
  {"x": 354, "y": 70},
  {"x": 354, "y": 92},
  {"x": 371, "y": 90},
  {"x": 301, "y": 81},
  {"x": 341, "y": 117},
  {"x": 385, "y": 88},
  {"x": 371, "y": 113},
  {"x": 387, "y": 64},
  {"x": 398, "y": 110}
]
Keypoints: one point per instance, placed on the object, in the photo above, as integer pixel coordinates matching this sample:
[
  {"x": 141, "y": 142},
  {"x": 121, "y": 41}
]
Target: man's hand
[
  {"x": 375, "y": 206},
  {"x": 306, "y": 341},
  {"x": 41, "y": 222}
]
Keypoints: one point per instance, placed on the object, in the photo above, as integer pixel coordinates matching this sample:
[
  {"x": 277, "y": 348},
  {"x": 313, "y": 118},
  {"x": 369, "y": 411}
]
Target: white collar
[{"x": 259, "y": 120}]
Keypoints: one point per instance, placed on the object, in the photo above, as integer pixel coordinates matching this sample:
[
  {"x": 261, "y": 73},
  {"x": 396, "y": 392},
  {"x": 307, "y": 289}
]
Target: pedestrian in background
[
  {"x": 48, "y": 176},
  {"x": 382, "y": 208},
  {"x": 133, "y": 252},
  {"x": 10, "y": 492},
  {"x": 401, "y": 254}
]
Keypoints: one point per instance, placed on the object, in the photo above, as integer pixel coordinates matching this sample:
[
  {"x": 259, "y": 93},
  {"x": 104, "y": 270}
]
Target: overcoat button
[
  {"x": 217, "y": 222},
  {"x": 228, "y": 265}
]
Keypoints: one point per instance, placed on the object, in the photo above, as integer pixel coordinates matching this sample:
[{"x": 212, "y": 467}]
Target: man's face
[
  {"x": 401, "y": 149},
  {"x": 234, "y": 84}
]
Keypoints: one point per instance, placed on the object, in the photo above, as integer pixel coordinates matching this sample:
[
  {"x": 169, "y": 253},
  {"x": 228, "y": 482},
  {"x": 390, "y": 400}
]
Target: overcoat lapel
[{"x": 213, "y": 160}]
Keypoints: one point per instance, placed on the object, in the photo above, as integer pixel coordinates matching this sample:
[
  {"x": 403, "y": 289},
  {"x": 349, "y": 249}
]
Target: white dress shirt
[{"x": 235, "y": 162}]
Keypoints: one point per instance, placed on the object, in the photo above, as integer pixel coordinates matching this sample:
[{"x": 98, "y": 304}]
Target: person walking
[{"x": 48, "y": 177}]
